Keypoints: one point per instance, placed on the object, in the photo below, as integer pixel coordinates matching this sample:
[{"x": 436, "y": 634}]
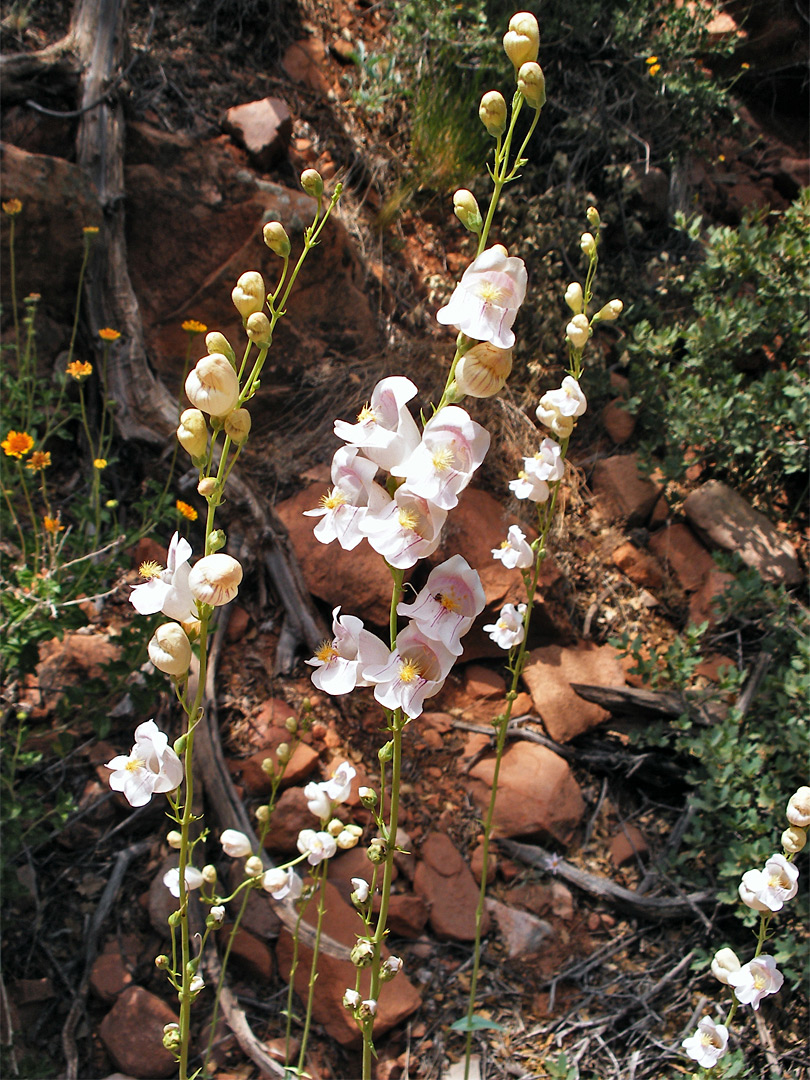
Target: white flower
[
  {"x": 756, "y": 980},
  {"x": 415, "y": 670},
  {"x": 798, "y": 808},
  {"x": 708, "y": 1044},
  {"x": 351, "y": 999},
  {"x": 168, "y": 592},
  {"x": 343, "y": 507},
  {"x": 392, "y": 964},
  {"x": 215, "y": 579},
  {"x": 169, "y": 649},
  {"x": 235, "y": 844},
  {"x": 574, "y": 297},
  {"x": 197, "y": 983},
  {"x": 545, "y": 466},
  {"x": 318, "y": 802},
  {"x": 360, "y": 890},
  {"x": 282, "y": 883},
  {"x": 578, "y": 331},
  {"x": 338, "y": 787},
  {"x": 217, "y": 913},
  {"x": 724, "y": 963},
  {"x": 340, "y": 662},
  {"x": 447, "y": 605},
  {"x": 249, "y": 293},
  {"x": 192, "y": 877},
  {"x": 515, "y": 552},
  {"x": 452, "y": 448},
  {"x": 558, "y": 408},
  {"x": 403, "y": 529},
  {"x": 483, "y": 370},
  {"x": 772, "y": 886},
  {"x": 385, "y": 430},
  {"x": 152, "y": 766},
  {"x": 508, "y": 631},
  {"x": 317, "y": 846},
  {"x": 486, "y": 300},
  {"x": 212, "y": 385}
]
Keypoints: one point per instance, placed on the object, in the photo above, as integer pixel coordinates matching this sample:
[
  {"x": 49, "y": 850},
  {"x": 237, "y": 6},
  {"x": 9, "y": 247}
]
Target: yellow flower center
[
  {"x": 759, "y": 981},
  {"x": 443, "y": 458},
  {"x": 409, "y": 671},
  {"x": 366, "y": 415},
  {"x": 408, "y": 519},
  {"x": 326, "y": 651},
  {"x": 133, "y": 764},
  {"x": 333, "y": 499},
  {"x": 491, "y": 293},
  {"x": 449, "y": 603},
  {"x": 149, "y": 569}
]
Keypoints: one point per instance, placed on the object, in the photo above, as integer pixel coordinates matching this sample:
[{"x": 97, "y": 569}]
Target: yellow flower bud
[
  {"x": 249, "y": 293},
  {"x": 192, "y": 433},
  {"x": 578, "y": 331},
  {"x": 259, "y": 330},
  {"x": 587, "y": 243},
  {"x": 213, "y": 385},
  {"x": 492, "y": 112},
  {"x": 574, "y": 297},
  {"x": 466, "y": 210},
  {"x": 209, "y": 873},
  {"x": 275, "y": 236},
  {"x": 793, "y": 840},
  {"x": 532, "y": 84},
  {"x": 218, "y": 343},
  {"x": 312, "y": 183},
  {"x": 208, "y": 485},
  {"x": 612, "y": 310},
  {"x": 483, "y": 370},
  {"x": 521, "y": 43},
  {"x": 237, "y": 423},
  {"x": 170, "y": 650},
  {"x": 592, "y": 214},
  {"x": 215, "y": 579}
]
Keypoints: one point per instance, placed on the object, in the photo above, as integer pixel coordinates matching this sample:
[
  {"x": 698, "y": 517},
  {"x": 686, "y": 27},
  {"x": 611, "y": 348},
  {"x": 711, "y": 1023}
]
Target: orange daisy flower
[
  {"x": 191, "y": 326},
  {"x": 53, "y": 525},
  {"x": 40, "y": 459},
  {"x": 12, "y": 207},
  {"x": 108, "y": 334},
  {"x": 188, "y": 512},
  {"x": 17, "y": 443},
  {"x": 79, "y": 369}
]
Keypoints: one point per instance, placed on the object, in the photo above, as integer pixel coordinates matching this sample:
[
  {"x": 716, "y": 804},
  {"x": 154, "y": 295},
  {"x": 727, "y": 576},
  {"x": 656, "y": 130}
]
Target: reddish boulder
[
  {"x": 263, "y": 128},
  {"x": 618, "y": 422},
  {"x": 623, "y": 494},
  {"x": 639, "y": 566},
  {"x": 132, "y": 1033},
  {"x": 549, "y": 673},
  {"x": 446, "y": 884}
]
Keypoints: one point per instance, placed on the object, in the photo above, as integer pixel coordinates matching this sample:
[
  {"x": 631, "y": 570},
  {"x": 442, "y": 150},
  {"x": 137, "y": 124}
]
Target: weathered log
[{"x": 632, "y": 701}]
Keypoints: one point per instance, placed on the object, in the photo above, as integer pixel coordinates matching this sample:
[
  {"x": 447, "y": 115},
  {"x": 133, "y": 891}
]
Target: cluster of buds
[
  {"x": 521, "y": 44},
  {"x": 766, "y": 891}
]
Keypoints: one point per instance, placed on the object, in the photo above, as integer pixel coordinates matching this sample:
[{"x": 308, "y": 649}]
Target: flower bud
[
  {"x": 268, "y": 766},
  {"x": 218, "y": 343},
  {"x": 368, "y": 1008},
  {"x": 725, "y": 962},
  {"x": 349, "y": 837},
  {"x": 386, "y": 752},
  {"x": 390, "y": 967},
  {"x": 196, "y": 985},
  {"x": 312, "y": 183},
  {"x": 249, "y": 293},
  {"x": 532, "y": 84},
  {"x": 291, "y": 724},
  {"x": 521, "y": 42},
  {"x": 235, "y": 844},
  {"x": 376, "y": 851},
  {"x": 161, "y": 962},
  {"x": 237, "y": 423},
  {"x": 254, "y": 867},
  {"x": 361, "y": 890},
  {"x": 192, "y": 433},
  {"x": 174, "y": 839},
  {"x": 213, "y": 385},
  {"x": 483, "y": 370},
  {"x": 492, "y": 112},
  {"x": 274, "y": 879},
  {"x": 363, "y": 953},
  {"x": 798, "y": 808},
  {"x": 368, "y": 797},
  {"x": 351, "y": 999},
  {"x": 208, "y": 485},
  {"x": 259, "y": 330},
  {"x": 466, "y": 210},
  {"x": 578, "y": 331},
  {"x": 216, "y": 540},
  {"x": 283, "y": 752},
  {"x": 574, "y": 297},
  {"x": 216, "y": 915},
  {"x": 612, "y": 310},
  {"x": 209, "y": 874},
  {"x": 263, "y": 813},
  {"x": 587, "y": 243},
  {"x": 275, "y": 236},
  {"x": 215, "y": 579},
  {"x": 793, "y": 839},
  {"x": 171, "y": 1038},
  {"x": 592, "y": 214},
  {"x": 170, "y": 650},
  {"x": 335, "y": 827}
]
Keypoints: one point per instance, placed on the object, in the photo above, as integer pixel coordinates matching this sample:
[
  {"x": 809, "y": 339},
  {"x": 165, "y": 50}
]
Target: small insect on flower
[
  {"x": 40, "y": 459},
  {"x": 79, "y": 369},
  {"x": 108, "y": 334},
  {"x": 186, "y": 511},
  {"x": 17, "y": 444},
  {"x": 192, "y": 326}
]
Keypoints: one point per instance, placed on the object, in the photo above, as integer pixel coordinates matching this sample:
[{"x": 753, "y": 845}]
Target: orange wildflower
[
  {"x": 188, "y": 512},
  {"x": 107, "y": 334},
  {"x": 40, "y": 459},
  {"x": 53, "y": 525},
  {"x": 90, "y": 230},
  {"x": 79, "y": 369},
  {"x": 191, "y": 326},
  {"x": 12, "y": 207},
  {"x": 17, "y": 443}
]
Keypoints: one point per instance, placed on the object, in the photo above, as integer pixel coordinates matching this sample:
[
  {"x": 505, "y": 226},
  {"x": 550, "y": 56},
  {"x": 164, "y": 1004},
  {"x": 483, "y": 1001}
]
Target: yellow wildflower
[
  {"x": 651, "y": 60},
  {"x": 40, "y": 459},
  {"x": 79, "y": 369},
  {"x": 653, "y": 69},
  {"x": 192, "y": 326},
  {"x": 107, "y": 334},
  {"x": 188, "y": 512},
  {"x": 53, "y": 525},
  {"x": 12, "y": 207},
  {"x": 90, "y": 230},
  {"x": 100, "y": 463},
  {"x": 17, "y": 443}
]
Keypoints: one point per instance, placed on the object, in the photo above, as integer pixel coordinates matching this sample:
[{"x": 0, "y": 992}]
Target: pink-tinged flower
[
  {"x": 725, "y": 962},
  {"x": 452, "y": 448},
  {"x": 515, "y": 552},
  {"x": 385, "y": 430},
  {"x": 545, "y": 467},
  {"x": 215, "y": 579},
  {"x": 282, "y": 883},
  {"x": 235, "y": 844},
  {"x": 559, "y": 408},
  {"x": 772, "y": 886},
  {"x": 447, "y": 605},
  {"x": 486, "y": 300},
  {"x": 756, "y": 980},
  {"x": 708, "y": 1044},
  {"x": 318, "y": 802},
  {"x": 415, "y": 670},
  {"x": 317, "y": 846},
  {"x": 340, "y": 662},
  {"x": 508, "y": 631},
  {"x": 339, "y": 785},
  {"x": 483, "y": 370},
  {"x": 321, "y": 798},
  {"x": 192, "y": 877},
  {"x": 403, "y": 529},
  {"x": 344, "y": 505},
  {"x": 152, "y": 766},
  {"x": 168, "y": 591}
]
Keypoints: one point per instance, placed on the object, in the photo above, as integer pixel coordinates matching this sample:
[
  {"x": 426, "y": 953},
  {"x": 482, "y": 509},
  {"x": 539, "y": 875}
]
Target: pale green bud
[
  {"x": 376, "y": 851},
  {"x": 291, "y": 724},
  {"x": 312, "y": 183},
  {"x": 592, "y": 214},
  {"x": 237, "y": 423},
  {"x": 161, "y": 962},
  {"x": 363, "y": 953},
  {"x": 249, "y": 293},
  {"x": 574, "y": 297},
  {"x": 532, "y": 84},
  {"x": 386, "y": 752},
  {"x": 174, "y": 839},
  {"x": 209, "y": 873},
  {"x": 390, "y": 967},
  {"x": 263, "y": 813},
  {"x": 192, "y": 433},
  {"x": 587, "y": 243},
  {"x": 275, "y": 236},
  {"x": 283, "y": 752},
  {"x": 259, "y": 330},
  {"x": 368, "y": 797},
  {"x": 466, "y": 210},
  {"x": 612, "y": 310},
  {"x": 521, "y": 42},
  {"x": 492, "y": 112},
  {"x": 218, "y": 343}
]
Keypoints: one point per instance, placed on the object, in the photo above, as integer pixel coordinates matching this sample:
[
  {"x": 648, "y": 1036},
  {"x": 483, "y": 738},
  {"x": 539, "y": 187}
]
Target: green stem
[
  {"x": 320, "y": 877},
  {"x": 12, "y": 276}
]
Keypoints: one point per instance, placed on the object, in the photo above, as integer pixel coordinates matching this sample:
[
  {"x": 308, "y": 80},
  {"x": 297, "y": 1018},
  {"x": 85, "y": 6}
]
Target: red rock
[
  {"x": 641, "y": 568},
  {"x": 703, "y": 606},
  {"x": 623, "y": 494},
  {"x": 445, "y": 883},
  {"x": 725, "y": 519},
  {"x": 562, "y": 903},
  {"x": 439, "y": 721},
  {"x": 304, "y": 63},
  {"x": 522, "y": 933},
  {"x": 407, "y": 915},
  {"x": 300, "y": 766},
  {"x": 112, "y": 971},
  {"x": 237, "y": 623},
  {"x": 714, "y": 666},
  {"x": 686, "y": 557},
  {"x": 620, "y": 383},
  {"x": 549, "y": 673},
  {"x": 263, "y": 128},
  {"x": 398, "y": 998},
  {"x": 132, "y": 1033},
  {"x": 477, "y": 864},
  {"x": 537, "y": 793},
  {"x": 483, "y": 682},
  {"x": 660, "y": 513},
  {"x": 290, "y": 816},
  {"x": 249, "y": 952},
  {"x": 618, "y": 422},
  {"x": 627, "y": 845},
  {"x": 265, "y": 725}
]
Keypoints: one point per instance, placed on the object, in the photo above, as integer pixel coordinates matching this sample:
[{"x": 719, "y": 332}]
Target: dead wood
[
  {"x": 633, "y": 701},
  {"x": 645, "y": 907}
]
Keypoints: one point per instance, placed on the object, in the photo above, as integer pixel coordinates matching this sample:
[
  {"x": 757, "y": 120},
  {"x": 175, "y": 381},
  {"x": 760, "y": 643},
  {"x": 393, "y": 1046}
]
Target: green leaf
[{"x": 476, "y": 1023}]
